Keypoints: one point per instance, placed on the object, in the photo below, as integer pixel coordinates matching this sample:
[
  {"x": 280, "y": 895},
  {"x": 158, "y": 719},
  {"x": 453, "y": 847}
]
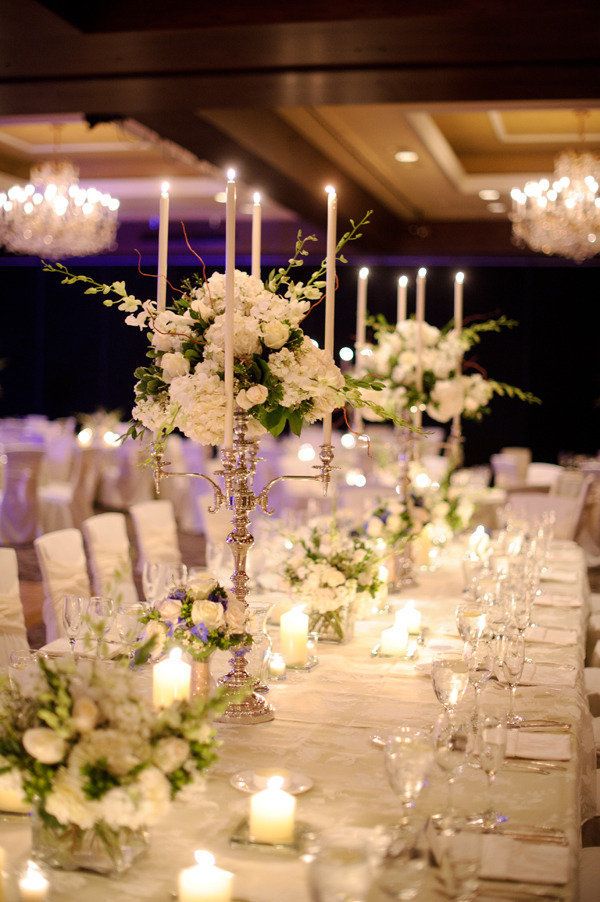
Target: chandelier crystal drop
[
  {"x": 561, "y": 216},
  {"x": 53, "y": 217}
]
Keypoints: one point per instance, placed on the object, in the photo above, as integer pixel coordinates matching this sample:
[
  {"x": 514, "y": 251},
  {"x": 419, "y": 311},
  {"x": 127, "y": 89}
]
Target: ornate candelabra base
[{"x": 404, "y": 573}]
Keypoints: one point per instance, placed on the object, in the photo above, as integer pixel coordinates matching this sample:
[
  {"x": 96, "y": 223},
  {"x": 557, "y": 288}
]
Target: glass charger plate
[{"x": 249, "y": 781}]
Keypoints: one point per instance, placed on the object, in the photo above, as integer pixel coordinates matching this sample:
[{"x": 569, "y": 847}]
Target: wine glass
[
  {"x": 152, "y": 581},
  {"x": 491, "y": 745},
  {"x": 511, "y": 664},
  {"x": 471, "y": 618},
  {"x": 99, "y": 612},
  {"x": 128, "y": 626},
  {"x": 342, "y": 863},
  {"x": 74, "y": 609},
  {"x": 174, "y": 576},
  {"x": 452, "y": 743},
  {"x": 518, "y": 603},
  {"x": 480, "y": 661},
  {"x": 450, "y": 677},
  {"x": 408, "y": 760}
]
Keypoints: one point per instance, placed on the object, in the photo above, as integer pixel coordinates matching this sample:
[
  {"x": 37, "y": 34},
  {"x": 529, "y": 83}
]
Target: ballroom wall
[{"x": 64, "y": 352}]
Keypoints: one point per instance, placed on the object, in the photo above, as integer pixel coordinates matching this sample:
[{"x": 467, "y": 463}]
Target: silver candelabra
[
  {"x": 404, "y": 575},
  {"x": 237, "y": 495}
]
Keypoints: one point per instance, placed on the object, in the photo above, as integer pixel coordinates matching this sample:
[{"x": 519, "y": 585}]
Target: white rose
[
  {"x": 45, "y": 745},
  {"x": 210, "y": 613},
  {"x": 364, "y": 579},
  {"x": 85, "y": 714},
  {"x": 447, "y": 399},
  {"x": 203, "y": 583},
  {"x": 275, "y": 334},
  {"x": 174, "y": 364},
  {"x": 236, "y": 616},
  {"x": 252, "y": 396},
  {"x": 170, "y": 753},
  {"x": 333, "y": 577},
  {"x": 157, "y": 630},
  {"x": 170, "y": 609}
]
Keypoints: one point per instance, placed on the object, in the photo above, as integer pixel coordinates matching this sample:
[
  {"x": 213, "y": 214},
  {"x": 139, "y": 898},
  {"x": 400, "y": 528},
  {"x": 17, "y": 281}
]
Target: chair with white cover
[
  {"x": 19, "y": 509},
  {"x": 155, "y": 532},
  {"x": 522, "y": 458},
  {"x": 109, "y": 557},
  {"x": 542, "y": 475},
  {"x": 532, "y": 506},
  {"x": 13, "y": 635},
  {"x": 570, "y": 484},
  {"x": 61, "y": 557},
  {"x": 471, "y": 477},
  {"x": 67, "y": 504},
  {"x": 506, "y": 471}
]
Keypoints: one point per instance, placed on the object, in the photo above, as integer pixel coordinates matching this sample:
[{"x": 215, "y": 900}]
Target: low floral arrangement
[
  {"x": 447, "y": 392},
  {"x": 334, "y": 570},
  {"x": 98, "y": 764},
  {"x": 281, "y": 376},
  {"x": 198, "y": 619}
]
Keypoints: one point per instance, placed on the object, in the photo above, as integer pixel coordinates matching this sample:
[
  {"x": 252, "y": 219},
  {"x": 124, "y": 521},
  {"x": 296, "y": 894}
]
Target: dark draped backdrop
[{"x": 62, "y": 352}]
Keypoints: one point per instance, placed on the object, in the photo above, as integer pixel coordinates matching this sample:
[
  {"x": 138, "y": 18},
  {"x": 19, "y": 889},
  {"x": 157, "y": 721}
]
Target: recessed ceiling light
[
  {"x": 221, "y": 197},
  {"x": 496, "y": 208},
  {"x": 489, "y": 194},
  {"x": 406, "y": 156}
]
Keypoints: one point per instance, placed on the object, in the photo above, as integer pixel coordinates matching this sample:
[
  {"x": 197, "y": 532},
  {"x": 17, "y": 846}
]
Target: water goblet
[
  {"x": 21, "y": 666},
  {"x": 452, "y": 743},
  {"x": 73, "y": 612},
  {"x": 491, "y": 745},
  {"x": 408, "y": 761},
  {"x": 128, "y": 626},
  {"x": 341, "y": 865},
  {"x": 174, "y": 576},
  {"x": 151, "y": 582},
  {"x": 99, "y": 613},
  {"x": 479, "y": 658},
  {"x": 450, "y": 677},
  {"x": 471, "y": 618},
  {"x": 511, "y": 664}
]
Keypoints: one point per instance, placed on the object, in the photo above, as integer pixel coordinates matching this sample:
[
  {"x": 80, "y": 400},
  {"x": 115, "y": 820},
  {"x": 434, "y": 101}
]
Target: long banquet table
[{"x": 324, "y": 722}]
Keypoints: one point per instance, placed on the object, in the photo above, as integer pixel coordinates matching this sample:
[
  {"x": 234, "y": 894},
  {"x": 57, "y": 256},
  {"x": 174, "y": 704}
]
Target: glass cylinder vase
[
  {"x": 334, "y": 626},
  {"x": 102, "y": 849},
  {"x": 202, "y": 683}
]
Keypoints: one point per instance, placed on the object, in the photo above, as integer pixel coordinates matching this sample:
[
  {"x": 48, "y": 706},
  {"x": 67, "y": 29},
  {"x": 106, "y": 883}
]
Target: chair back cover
[
  {"x": 506, "y": 471},
  {"x": 64, "y": 572},
  {"x": 569, "y": 484},
  {"x": 19, "y": 506},
  {"x": 543, "y": 475},
  {"x": 109, "y": 557},
  {"x": 531, "y": 506},
  {"x": 13, "y": 635},
  {"x": 155, "y": 532}
]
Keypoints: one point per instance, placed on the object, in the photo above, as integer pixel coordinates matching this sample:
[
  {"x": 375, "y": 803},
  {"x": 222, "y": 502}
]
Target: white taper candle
[
  {"x": 256, "y": 235},
  {"x": 420, "y": 319},
  {"x": 459, "y": 279},
  {"x": 330, "y": 289},
  {"x": 229, "y": 304},
  {"x": 163, "y": 246},
  {"x": 361, "y": 317},
  {"x": 401, "y": 299}
]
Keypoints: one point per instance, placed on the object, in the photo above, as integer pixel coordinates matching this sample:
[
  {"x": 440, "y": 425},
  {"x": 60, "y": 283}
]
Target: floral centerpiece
[
  {"x": 447, "y": 391},
  {"x": 281, "y": 376},
  {"x": 98, "y": 764},
  {"x": 336, "y": 573}
]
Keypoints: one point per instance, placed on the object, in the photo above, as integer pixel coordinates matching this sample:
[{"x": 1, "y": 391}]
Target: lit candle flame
[
  {"x": 363, "y": 272},
  {"x": 164, "y": 189},
  {"x": 256, "y": 197},
  {"x": 422, "y": 272},
  {"x": 231, "y": 175},
  {"x": 204, "y": 858},
  {"x": 275, "y": 782},
  {"x": 403, "y": 281},
  {"x": 460, "y": 277}
]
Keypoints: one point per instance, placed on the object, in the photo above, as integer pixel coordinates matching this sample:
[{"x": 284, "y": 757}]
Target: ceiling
[{"x": 295, "y": 97}]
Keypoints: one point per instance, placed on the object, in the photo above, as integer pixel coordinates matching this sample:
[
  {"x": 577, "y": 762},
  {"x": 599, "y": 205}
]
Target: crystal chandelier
[
  {"x": 563, "y": 216},
  {"x": 54, "y": 217}
]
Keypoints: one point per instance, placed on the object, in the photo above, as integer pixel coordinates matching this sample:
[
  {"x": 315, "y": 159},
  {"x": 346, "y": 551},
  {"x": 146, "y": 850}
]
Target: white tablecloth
[{"x": 323, "y": 727}]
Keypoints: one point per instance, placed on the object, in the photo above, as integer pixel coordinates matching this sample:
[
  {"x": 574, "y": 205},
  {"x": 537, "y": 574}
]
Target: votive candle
[
  {"x": 171, "y": 680},
  {"x": 33, "y": 885},
  {"x": 394, "y": 641},
  {"x": 204, "y": 881},
  {"x": 272, "y": 814}
]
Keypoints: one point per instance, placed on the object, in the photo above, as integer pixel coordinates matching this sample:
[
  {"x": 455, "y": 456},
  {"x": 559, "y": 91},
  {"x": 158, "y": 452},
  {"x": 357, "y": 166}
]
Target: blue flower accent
[
  {"x": 170, "y": 628},
  {"x": 217, "y": 598},
  {"x": 178, "y": 594},
  {"x": 200, "y": 632}
]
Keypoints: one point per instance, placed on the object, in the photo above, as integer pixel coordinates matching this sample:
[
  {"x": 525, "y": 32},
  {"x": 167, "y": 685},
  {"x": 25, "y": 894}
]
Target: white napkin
[
  {"x": 61, "y": 647},
  {"x": 565, "y": 556},
  {"x": 545, "y": 746},
  {"x": 556, "y": 600},
  {"x": 550, "y": 636},
  {"x": 555, "y": 575},
  {"x": 505, "y": 858},
  {"x": 548, "y": 675}
]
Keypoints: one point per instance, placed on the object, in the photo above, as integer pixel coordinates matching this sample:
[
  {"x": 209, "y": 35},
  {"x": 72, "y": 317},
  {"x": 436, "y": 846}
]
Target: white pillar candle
[
  {"x": 256, "y": 235},
  {"x": 330, "y": 290},
  {"x": 361, "y": 317},
  {"x": 33, "y": 886},
  {"x": 204, "y": 881},
  {"x": 13, "y": 801},
  {"x": 401, "y": 299},
  {"x": 420, "y": 319},
  {"x": 272, "y": 813},
  {"x": 163, "y": 246},
  {"x": 171, "y": 680},
  {"x": 410, "y": 617},
  {"x": 293, "y": 635},
  {"x": 229, "y": 304},
  {"x": 394, "y": 641}
]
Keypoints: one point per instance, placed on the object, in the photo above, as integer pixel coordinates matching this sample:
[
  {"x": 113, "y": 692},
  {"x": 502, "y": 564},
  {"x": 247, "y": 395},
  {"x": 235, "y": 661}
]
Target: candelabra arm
[
  {"x": 161, "y": 473},
  {"x": 262, "y": 499}
]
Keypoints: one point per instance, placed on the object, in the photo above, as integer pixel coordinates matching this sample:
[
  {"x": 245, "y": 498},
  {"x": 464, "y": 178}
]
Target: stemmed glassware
[
  {"x": 471, "y": 619},
  {"x": 452, "y": 742},
  {"x": 152, "y": 581},
  {"x": 99, "y": 613},
  {"x": 511, "y": 664},
  {"x": 128, "y": 626},
  {"x": 491, "y": 745},
  {"x": 463, "y": 854},
  {"x": 480, "y": 661},
  {"x": 450, "y": 677},
  {"x": 408, "y": 761},
  {"x": 73, "y": 612}
]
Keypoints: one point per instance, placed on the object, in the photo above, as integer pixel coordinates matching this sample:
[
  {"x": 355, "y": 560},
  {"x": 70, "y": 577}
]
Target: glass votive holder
[
  {"x": 33, "y": 884},
  {"x": 277, "y": 668}
]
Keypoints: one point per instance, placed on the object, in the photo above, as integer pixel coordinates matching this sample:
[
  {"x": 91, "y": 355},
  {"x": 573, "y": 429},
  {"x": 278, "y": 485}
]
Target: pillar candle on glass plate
[
  {"x": 420, "y": 319},
  {"x": 293, "y": 636},
  {"x": 401, "y": 299},
  {"x": 394, "y": 640},
  {"x": 163, "y": 246},
  {"x": 272, "y": 814},
  {"x": 204, "y": 881},
  {"x": 171, "y": 680},
  {"x": 33, "y": 885},
  {"x": 229, "y": 304},
  {"x": 256, "y": 235},
  {"x": 330, "y": 290}
]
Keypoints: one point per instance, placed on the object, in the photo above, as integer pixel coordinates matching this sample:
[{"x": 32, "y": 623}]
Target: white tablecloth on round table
[{"x": 323, "y": 726}]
